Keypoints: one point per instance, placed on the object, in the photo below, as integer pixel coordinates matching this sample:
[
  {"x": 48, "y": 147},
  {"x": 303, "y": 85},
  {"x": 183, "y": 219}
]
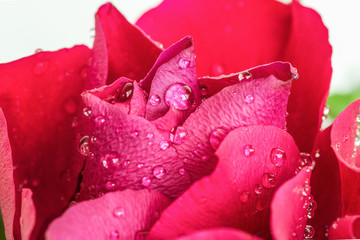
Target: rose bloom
[{"x": 137, "y": 140}]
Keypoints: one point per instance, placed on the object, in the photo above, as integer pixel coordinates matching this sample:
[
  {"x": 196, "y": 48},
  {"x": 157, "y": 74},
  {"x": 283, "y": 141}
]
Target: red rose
[{"x": 181, "y": 156}]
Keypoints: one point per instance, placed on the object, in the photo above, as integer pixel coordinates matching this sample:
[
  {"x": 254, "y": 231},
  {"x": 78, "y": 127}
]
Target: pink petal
[
  {"x": 129, "y": 153},
  {"x": 308, "y": 50},
  {"x": 176, "y": 65},
  {"x": 325, "y": 185},
  {"x": 289, "y": 207},
  {"x": 259, "y": 100},
  {"x": 218, "y": 234},
  {"x": 40, "y": 97},
  {"x": 130, "y": 52},
  {"x": 345, "y": 141},
  {"x": 347, "y": 227},
  {"x": 7, "y": 187},
  {"x": 229, "y": 36},
  {"x": 228, "y": 198},
  {"x": 118, "y": 215},
  {"x": 28, "y": 214}
]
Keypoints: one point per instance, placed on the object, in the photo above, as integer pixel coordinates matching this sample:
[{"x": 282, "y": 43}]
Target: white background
[{"x": 26, "y": 25}]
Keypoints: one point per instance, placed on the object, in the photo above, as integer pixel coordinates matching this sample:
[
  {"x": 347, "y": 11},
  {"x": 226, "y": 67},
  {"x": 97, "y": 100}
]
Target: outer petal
[
  {"x": 238, "y": 193},
  {"x": 325, "y": 185},
  {"x": 129, "y": 153},
  {"x": 28, "y": 214},
  {"x": 345, "y": 141},
  {"x": 308, "y": 50},
  {"x": 118, "y": 215},
  {"x": 289, "y": 222},
  {"x": 131, "y": 54},
  {"x": 40, "y": 97},
  {"x": 259, "y": 100},
  {"x": 218, "y": 234},
  {"x": 347, "y": 227},
  {"x": 7, "y": 187}
]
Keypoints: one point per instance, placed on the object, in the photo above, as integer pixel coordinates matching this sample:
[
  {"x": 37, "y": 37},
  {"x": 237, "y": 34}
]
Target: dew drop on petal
[
  {"x": 183, "y": 63},
  {"x": 217, "y": 136},
  {"x": 159, "y": 172},
  {"x": 180, "y": 96},
  {"x": 125, "y": 92},
  {"x": 164, "y": 144},
  {"x": 277, "y": 157},
  {"x": 87, "y": 112},
  {"x": 305, "y": 160},
  {"x": 154, "y": 100},
  {"x": 309, "y": 232},
  {"x": 268, "y": 180},
  {"x": 99, "y": 121},
  {"x": 295, "y": 74},
  {"x": 114, "y": 235},
  {"x": 150, "y": 135},
  {"x": 326, "y": 112},
  {"x": 204, "y": 90},
  {"x": 181, "y": 171},
  {"x": 306, "y": 190},
  {"x": 146, "y": 181},
  {"x": 244, "y": 197},
  {"x": 258, "y": 189},
  {"x": 84, "y": 147},
  {"x": 249, "y": 98},
  {"x": 109, "y": 185},
  {"x": 119, "y": 212},
  {"x": 178, "y": 135},
  {"x": 249, "y": 150},
  {"x": 244, "y": 75}
]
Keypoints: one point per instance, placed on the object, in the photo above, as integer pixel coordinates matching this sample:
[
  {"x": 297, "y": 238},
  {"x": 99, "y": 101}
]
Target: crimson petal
[
  {"x": 345, "y": 141},
  {"x": 218, "y": 234},
  {"x": 289, "y": 223},
  {"x": 118, "y": 215},
  {"x": 130, "y": 52},
  {"x": 347, "y": 227},
  {"x": 40, "y": 97},
  {"x": 259, "y": 100},
  {"x": 238, "y": 193},
  {"x": 7, "y": 186}
]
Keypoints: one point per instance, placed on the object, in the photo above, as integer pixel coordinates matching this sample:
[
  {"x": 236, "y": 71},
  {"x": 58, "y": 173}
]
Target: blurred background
[{"x": 27, "y": 25}]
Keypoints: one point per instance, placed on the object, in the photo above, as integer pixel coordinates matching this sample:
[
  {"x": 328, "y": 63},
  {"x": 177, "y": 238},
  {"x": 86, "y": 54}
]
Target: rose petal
[
  {"x": 129, "y": 153},
  {"x": 118, "y": 215},
  {"x": 228, "y": 198},
  {"x": 347, "y": 227},
  {"x": 345, "y": 141},
  {"x": 308, "y": 50},
  {"x": 7, "y": 187},
  {"x": 259, "y": 100},
  {"x": 224, "y": 44},
  {"x": 28, "y": 214},
  {"x": 218, "y": 234},
  {"x": 289, "y": 222},
  {"x": 176, "y": 65},
  {"x": 325, "y": 185},
  {"x": 40, "y": 97},
  {"x": 131, "y": 53}
]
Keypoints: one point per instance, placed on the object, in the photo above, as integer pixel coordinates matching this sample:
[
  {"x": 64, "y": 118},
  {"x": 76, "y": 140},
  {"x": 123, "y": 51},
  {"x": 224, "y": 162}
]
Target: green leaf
[
  {"x": 338, "y": 102},
  {"x": 2, "y": 230}
]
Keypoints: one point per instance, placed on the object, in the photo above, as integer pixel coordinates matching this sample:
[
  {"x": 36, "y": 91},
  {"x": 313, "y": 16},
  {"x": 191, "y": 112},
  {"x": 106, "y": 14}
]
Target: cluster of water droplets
[
  {"x": 305, "y": 160},
  {"x": 357, "y": 137}
]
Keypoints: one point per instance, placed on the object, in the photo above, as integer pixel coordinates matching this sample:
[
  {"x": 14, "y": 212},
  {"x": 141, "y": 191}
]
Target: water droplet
[
  {"x": 181, "y": 171},
  {"x": 305, "y": 160},
  {"x": 249, "y": 150},
  {"x": 244, "y": 197},
  {"x": 204, "y": 90},
  {"x": 306, "y": 190},
  {"x": 294, "y": 74},
  {"x": 154, "y": 100},
  {"x": 317, "y": 153},
  {"x": 150, "y": 135},
  {"x": 217, "y": 69},
  {"x": 268, "y": 180},
  {"x": 164, "y": 144},
  {"x": 125, "y": 92},
  {"x": 84, "y": 148},
  {"x": 309, "y": 232},
  {"x": 100, "y": 121},
  {"x": 249, "y": 98},
  {"x": 217, "y": 136},
  {"x": 87, "y": 112},
  {"x": 40, "y": 67},
  {"x": 134, "y": 134},
  {"x": 70, "y": 106},
  {"x": 139, "y": 165},
  {"x": 277, "y": 157},
  {"x": 244, "y": 75},
  {"x": 146, "y": 181},
  {"x": 114, "y": 235},
  {"x": 159, "y": 172},
  {"x": 109, "y": 185},
  {"x": 326, "y": 112},
  {"x": 178, "y": 135},
  {"x": 38, "y": 50},
  {"x": 119, "y": 212},
  {"x": 183, "y": 63},
  {"x": 258, "y": 189},
  {"x": 180, "y": 96}
]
